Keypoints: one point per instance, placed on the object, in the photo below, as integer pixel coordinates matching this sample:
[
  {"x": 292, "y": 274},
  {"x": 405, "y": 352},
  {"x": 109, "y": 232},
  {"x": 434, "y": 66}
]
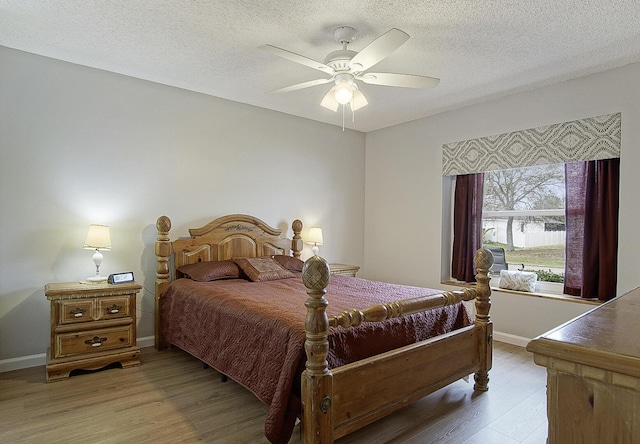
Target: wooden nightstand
[
  {"x": 92, "y": 326},
  {"x": 347, "y": 270}
]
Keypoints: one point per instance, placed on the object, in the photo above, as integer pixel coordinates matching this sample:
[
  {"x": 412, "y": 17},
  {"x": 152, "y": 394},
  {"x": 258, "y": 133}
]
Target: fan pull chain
[{"x": 353, "y": 115}]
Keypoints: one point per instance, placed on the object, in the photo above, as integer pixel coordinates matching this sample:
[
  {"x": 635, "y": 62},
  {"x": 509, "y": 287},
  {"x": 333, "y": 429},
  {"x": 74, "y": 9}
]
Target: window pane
[
  {"x": 531, "y": 188},
  {"x": 530, "y": 226}
]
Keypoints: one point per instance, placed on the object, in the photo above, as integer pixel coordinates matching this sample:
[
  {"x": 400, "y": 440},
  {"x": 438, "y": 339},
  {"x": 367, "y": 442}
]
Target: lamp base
[{"x": 97, "y": 279}]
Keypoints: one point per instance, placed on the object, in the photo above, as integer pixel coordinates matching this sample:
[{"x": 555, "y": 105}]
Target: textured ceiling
[{"x": 480, "y": 49}]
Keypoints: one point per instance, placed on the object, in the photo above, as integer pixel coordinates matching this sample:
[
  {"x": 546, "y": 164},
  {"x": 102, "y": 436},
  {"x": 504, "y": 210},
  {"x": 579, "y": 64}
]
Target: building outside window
[{"x": 523, "y": 212}]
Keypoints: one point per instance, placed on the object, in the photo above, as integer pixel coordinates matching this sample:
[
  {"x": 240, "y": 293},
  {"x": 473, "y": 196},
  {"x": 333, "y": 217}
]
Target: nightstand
[
  {"x": 92, "y": 325},
  {"x": 347, "y": 270}
]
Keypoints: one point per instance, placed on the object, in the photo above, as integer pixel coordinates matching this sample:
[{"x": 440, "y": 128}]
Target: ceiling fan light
[
  {"x": 329, "y": 100},
  {"x": 343, "y": 92},
  {"x": 359, "y": 100}
]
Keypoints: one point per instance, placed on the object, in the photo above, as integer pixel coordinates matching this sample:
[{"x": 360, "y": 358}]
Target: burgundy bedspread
[{"x": 253, "y": 332}]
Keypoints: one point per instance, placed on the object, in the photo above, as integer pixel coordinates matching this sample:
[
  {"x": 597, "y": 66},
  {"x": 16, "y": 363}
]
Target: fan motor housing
[{"x": 339, "y": 60}]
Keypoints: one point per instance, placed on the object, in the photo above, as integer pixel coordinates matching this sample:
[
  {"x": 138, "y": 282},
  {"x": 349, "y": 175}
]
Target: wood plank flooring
[{"x": 171, "y": 398}]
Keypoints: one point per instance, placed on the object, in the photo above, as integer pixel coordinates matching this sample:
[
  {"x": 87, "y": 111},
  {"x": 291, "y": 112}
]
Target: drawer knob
[
  {"x": 77, "y": 312},
  {"x": 95, "y": 341},
  {"x": 113, "y": 309}
]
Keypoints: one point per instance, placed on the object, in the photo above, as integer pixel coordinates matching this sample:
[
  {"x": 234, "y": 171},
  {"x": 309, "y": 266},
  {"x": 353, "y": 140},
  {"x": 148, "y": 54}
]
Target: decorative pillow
[
  {"x": 289, "y": 262},
  {"x": 263, "y": 268},
  {"x": 518, "y": 280},
  {"x": 211, "y": 271}
]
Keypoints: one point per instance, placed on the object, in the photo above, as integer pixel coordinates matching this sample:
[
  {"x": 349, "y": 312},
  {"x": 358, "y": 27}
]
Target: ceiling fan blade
[
  {"x": 302, "y": 85},
  {"x": 297, "y": 58},
  {"x": 329, "y": 101},
  {"x": 402, "y": 80},
  {"x": 377, "y": 50},
  {"x": 358, "y": 101}
]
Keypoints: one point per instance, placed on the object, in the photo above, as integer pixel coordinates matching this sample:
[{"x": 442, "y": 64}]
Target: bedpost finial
[
  {"x": 296, "y": 241},
  {"x": 315, "y": 273},
  {"x": 483, "y": 259},
  {"x": 163, "y": 224}
]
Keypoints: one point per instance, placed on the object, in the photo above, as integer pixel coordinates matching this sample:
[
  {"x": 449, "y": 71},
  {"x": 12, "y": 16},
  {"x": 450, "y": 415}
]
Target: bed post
[
  {"x": 317, "y": 380},
  {"x": 483, "y": 259},
  {"x": 296, "y": 242},
  {"x": 163, "y": 276}
]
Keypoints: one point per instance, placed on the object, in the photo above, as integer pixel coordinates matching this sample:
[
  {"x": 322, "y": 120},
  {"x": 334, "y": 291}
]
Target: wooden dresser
[
  {"x": 92, "y": 326},
  {"x": 593, "y": 374}
]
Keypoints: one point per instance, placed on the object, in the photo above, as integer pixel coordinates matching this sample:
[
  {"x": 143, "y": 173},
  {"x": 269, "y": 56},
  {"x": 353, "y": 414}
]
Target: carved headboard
[{"x": 227, "y": 237}]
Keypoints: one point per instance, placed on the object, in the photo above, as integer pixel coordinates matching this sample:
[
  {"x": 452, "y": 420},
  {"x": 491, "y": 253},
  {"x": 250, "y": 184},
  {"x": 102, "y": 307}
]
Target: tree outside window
[{"x": 523, "y": 211}]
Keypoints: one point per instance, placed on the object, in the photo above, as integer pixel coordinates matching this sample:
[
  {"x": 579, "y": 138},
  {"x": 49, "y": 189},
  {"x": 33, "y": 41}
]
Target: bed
[{"x": 324, "y": 349}]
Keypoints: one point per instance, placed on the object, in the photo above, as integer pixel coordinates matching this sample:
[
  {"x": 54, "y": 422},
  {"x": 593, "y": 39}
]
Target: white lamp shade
[
  {"x": 98, "y": 238},
  {"x": 329, "y": 101},
  {"x": 315, "y": 236},
  {"x": 359, "y": 100}
]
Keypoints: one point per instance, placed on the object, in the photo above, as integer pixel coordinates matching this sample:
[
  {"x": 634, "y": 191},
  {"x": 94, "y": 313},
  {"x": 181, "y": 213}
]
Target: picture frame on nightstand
[{"x": 120, "y": 278}]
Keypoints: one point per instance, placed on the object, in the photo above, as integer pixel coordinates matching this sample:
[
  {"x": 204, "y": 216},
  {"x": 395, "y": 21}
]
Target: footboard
[{"x": 339, "y": 401}]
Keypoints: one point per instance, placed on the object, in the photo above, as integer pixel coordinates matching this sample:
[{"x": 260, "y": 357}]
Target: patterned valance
[{"x": 593, "y": 138}]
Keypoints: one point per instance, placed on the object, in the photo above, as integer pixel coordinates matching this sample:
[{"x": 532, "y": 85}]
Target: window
[
  {"x": 524, "y": 213},
  {"x": 591, "y": 146}
]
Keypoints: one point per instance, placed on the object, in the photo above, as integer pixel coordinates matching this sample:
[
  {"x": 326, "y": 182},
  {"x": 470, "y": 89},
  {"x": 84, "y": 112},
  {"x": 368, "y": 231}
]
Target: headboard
[{"x": 227, "y": 237}]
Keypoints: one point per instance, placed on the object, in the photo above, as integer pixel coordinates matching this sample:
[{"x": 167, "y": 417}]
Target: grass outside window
[{"x": 547, "y": 262}]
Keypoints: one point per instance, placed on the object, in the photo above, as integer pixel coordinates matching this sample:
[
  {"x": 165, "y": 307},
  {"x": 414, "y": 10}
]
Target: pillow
[
  {"x": 211, "y": 271},
  {"x": 265, "y": 268},
  {"x": 518, "y": 280},
  {"x": 289, "y": 262}
]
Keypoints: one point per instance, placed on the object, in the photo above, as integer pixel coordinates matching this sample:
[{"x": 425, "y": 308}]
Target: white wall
[
  {"x": 81, "y": 146},
  {"x": 404, "y": 187}
]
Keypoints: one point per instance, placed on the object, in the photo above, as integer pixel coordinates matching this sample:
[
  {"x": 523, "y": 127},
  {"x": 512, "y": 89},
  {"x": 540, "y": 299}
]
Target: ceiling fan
[{"x": 345, "y": 66}]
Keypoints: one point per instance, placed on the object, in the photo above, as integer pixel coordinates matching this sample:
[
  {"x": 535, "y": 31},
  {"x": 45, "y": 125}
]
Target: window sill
[{"x": 537, "y": 294}]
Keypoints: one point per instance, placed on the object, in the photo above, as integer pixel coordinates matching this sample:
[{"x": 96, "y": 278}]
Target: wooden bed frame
[{"x": 336, "y": 402}]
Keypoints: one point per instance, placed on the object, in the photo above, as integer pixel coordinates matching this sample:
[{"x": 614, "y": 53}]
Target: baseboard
[
  {"x": 511, "y": 339},
  {"x": 147, "y": 341},
  {"x": 7, "y": 365}
]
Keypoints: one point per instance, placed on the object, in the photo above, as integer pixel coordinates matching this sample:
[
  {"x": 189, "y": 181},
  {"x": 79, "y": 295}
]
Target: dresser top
[
  {"x": 80, "y": 289},
  {"x": 343, "y": 267},
  {"x": 605, "y": 337}
]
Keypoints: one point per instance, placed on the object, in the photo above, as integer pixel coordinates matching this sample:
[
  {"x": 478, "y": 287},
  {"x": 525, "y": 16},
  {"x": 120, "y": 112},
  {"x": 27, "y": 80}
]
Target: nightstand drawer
[
  {"x": 69, "y": 344},
  {"x": 74, "y": 311},
  {"x": 115, "y": 307}
]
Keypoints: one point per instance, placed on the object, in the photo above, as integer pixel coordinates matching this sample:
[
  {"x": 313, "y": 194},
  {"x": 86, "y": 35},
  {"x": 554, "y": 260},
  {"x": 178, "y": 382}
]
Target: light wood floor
[{"x": 170, "y": 398}]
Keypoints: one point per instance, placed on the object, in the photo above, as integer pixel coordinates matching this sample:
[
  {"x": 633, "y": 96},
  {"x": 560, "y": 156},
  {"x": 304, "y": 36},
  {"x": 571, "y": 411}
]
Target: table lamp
[
  {"x": 315, "y": 238},
  {"x": 98, "y": 238}
]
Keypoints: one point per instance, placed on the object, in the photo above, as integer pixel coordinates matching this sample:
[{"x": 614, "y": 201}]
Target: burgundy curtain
[
  {"x": 467, "y": 225},
  {"x": 591, "y": 263},
  {"x": 575, "y": 176}
]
